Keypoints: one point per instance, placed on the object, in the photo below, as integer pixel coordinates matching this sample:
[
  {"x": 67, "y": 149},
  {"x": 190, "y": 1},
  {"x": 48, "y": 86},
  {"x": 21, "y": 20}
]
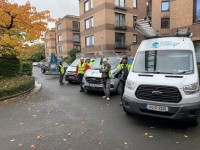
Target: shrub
[
  {"x": 9, "y": 66},
  {"x": 26, "y": 68},
  {"x": 15, "y": 85}
]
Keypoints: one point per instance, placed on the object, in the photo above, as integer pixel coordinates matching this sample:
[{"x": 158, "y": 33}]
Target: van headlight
[
  {"x": 191, "y": 89},
  {"x": 130, "y": 85}
]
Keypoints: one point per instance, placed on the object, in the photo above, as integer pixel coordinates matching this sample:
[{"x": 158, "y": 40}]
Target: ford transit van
[{"x": 163, "y": 81}]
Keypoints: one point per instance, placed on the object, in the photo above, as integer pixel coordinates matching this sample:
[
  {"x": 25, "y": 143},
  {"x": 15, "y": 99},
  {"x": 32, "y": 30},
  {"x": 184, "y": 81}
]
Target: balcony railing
[
  {"x": 120, "y": 26},
  {"x": 76, "y": 29},
  {"x": 121, "y": 6},
  {"x": 120, "y": 45}
]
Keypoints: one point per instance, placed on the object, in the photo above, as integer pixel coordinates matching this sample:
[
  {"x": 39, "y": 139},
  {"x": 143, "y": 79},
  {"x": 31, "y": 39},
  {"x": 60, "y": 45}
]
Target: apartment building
[
  {"x": 67, "y": 35},
  {"x": 50, "y": 42},
  {"x": 107, "y": 25},
  {"x": 168, "y": 15}
]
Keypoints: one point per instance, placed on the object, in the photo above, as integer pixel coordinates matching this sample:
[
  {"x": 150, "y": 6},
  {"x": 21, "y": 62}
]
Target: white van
[
  {"x": 163, "y": 81},
  {"x": 92, "y": 77}
]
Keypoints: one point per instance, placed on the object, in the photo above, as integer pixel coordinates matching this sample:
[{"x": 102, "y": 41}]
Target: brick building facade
[
  {"x": 50, "y": 42},
  {"x": 67, "y": 35},
  {"x": 107, "y": 25},
  {"x": 168, "y": 15}
]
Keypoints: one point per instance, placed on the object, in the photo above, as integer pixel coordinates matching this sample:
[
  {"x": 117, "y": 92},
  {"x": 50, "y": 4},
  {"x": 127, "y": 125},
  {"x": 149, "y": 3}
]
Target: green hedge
[
  {"x": 15, "y": 85},
  {"x": 26, "y": 68},
  {"x": 9, "y": 66}
]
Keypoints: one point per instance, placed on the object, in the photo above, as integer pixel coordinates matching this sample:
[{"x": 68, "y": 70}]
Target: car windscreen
[
  {"x": 112, "y": 61},
  {"x": 164, "y": 62},
  {"x": 75, "y": 63}
]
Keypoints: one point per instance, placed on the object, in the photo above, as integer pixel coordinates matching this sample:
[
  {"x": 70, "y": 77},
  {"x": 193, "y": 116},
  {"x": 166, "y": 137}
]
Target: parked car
[
  {"x": 92, "y": 77},
  {"x": 35, "y": 64},
  {"x": 70, "y": 74}
]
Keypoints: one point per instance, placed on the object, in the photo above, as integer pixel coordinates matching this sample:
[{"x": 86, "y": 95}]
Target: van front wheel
[{"x": 126, "y": 111}]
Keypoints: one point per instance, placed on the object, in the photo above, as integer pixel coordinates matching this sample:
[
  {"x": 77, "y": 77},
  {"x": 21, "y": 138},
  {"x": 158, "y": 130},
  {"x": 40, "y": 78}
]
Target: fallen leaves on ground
[
  {"x": 185, "y": 136},
  {"x": 32, "y": 146},
  {"x": 12, "y": 140},
  {"x": 40, "y": 137}
]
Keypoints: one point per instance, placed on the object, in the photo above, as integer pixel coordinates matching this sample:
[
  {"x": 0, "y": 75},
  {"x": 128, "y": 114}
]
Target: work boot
[{"x": 103, "y": 96}]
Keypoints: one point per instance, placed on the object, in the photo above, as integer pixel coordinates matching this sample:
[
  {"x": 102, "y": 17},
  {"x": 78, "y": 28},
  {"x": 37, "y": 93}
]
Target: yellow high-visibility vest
[{"x": 81, "y": 68}]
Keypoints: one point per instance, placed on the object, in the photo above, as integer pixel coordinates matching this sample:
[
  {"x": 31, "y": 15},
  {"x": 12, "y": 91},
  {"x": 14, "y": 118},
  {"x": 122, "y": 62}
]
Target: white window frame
[
  {"x": 60, "y": 49},
  {"x": 59, "y": 27},
  {"x": 59, "y": 38},
  {"x": 134, "y": 3},
  {"x": 134, "y": 38},
  {"x": 89, "y": 41},
  {"x": 88, "y": 5},
  {"x": 89, "y": 23}
]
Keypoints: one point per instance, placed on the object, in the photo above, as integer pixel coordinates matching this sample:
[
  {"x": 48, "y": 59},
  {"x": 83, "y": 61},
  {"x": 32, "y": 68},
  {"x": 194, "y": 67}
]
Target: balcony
[
  {"x": 120, "y": 26},
  {"x": 76, "y": 29},
  {"x": 76, "y": 41},
  {"x": 120, "y": 45},
  {"x": 121, "y": 6}
]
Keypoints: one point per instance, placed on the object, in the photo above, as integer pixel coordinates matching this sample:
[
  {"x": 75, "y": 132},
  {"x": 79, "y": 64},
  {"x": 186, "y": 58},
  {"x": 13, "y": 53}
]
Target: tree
[
  {"x": 19, "y": 25},
  {"x": 39, "y": 52},
  {"x": 72, "y": 56}
]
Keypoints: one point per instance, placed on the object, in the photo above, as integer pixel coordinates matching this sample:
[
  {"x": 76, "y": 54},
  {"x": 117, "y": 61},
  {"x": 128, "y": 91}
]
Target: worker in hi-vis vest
[
  {"x": 106, "y": 75},
  {"x": 123, "y": 71},
  {"x": 80, "y": 71},
  {"x": 61, "y": 73}
]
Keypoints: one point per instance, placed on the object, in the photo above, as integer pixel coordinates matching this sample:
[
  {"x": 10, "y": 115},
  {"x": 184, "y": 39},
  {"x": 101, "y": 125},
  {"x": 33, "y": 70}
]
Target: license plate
[
  {"x": 158, "y": 108},
  {"x": 71, "y": 77},
  {"x": 95, "y": 85}
]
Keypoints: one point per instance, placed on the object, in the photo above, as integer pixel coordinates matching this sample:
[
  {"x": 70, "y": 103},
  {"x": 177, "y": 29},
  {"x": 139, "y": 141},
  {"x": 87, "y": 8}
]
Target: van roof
[{"x": 167, "y": 43}]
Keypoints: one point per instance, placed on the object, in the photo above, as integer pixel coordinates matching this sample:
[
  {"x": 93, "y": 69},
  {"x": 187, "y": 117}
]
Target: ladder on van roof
[{"x": 144, "y": 27}]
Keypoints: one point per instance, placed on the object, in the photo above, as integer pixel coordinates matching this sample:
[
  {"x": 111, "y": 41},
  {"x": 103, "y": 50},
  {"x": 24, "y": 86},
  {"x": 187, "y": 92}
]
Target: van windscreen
[
  {"x": 164, "y": 62},
  {"x": 111, "y": 60}
]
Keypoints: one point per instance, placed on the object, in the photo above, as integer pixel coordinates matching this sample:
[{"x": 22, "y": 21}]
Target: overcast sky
[{"x": 58, "y": 8}]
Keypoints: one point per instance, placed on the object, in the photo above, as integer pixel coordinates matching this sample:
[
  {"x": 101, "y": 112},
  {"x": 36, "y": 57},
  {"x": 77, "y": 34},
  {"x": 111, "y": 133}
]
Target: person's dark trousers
[
  {"x": 61, "y": 79},
  {"x": 123, "y": 83},
  {"x": 80, "y": 79},
  {"x": 106, "y": 86}
]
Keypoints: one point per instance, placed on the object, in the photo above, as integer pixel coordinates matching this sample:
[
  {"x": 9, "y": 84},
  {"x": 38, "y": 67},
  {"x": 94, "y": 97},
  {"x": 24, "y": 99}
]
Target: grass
[{"x": 15, "y": 85}]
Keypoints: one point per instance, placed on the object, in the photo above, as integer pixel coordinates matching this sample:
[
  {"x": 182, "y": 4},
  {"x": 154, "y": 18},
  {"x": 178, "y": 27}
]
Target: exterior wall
[
  {"x": 50, "y": 43},
  {"x": 104, "y": 30},
  {"x": 67, "y": 35},
  {"x": 157, "y": 14}
]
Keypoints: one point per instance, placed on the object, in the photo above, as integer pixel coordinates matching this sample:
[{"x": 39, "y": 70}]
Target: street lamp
[{"x": 101, "y": 43}]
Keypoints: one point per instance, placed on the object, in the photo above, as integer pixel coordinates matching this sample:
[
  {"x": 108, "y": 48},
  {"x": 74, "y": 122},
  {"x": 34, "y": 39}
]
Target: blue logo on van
[{"x": 155, "y": 45}]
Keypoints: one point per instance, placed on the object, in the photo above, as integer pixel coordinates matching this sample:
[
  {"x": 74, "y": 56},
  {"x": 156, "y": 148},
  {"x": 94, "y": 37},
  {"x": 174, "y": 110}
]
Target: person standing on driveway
[
  {"x": 80, "y": 71},
  {"x": 123, "y": 71},
  {"x": 61, "y": 73},
  {"x": 106, "y": 74}
]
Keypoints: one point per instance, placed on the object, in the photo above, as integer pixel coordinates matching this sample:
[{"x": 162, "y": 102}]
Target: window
[
  {"x": 165, "y": 23},
  {"x": 59, "y": 38},
  {"x": 134, "y": 38},
  {"x": 59, "y": 27},
  {"x": 89, "y": 41},
  {"x": 134, "y": 3},
  {"x": 76, "y": 26},
  {"x": 88, "y": 5},
  {"x": 77, "y": 47},
  {"x": 119, "y": 20},
  {"x": 89, "y": 23},
  {"x": 197, "y": 10},
  {"x": 76, "y": 37},
  {"x": 134, "y": 19},
  {"x": 60, "y": 49},
  {"x": 165, "y": 6},
  {"x": 120, "y": 40},
  {"x": 120, "y": 3},
  {"x": 197, "y": 49}
]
